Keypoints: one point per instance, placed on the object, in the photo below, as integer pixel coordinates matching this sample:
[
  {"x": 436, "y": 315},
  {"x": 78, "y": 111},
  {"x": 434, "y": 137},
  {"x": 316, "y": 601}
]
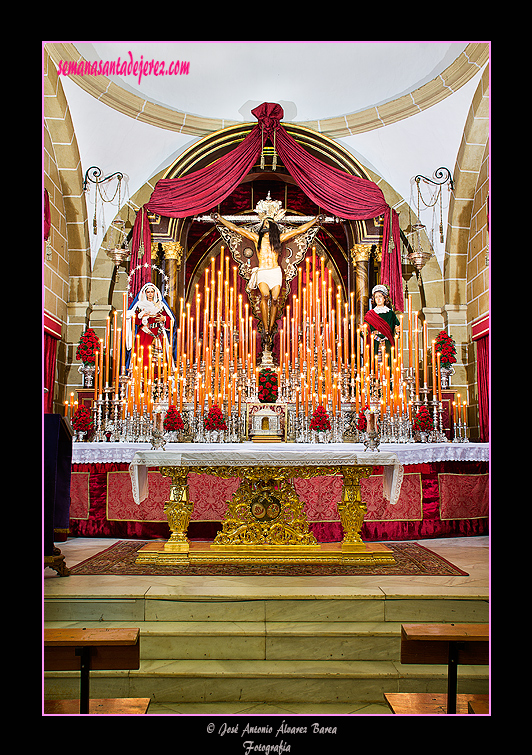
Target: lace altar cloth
[{"x": 392, "y": 457}]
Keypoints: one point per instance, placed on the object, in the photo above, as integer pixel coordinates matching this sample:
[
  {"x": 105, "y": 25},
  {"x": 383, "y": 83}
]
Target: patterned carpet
[{"x": 411, "y": 559}]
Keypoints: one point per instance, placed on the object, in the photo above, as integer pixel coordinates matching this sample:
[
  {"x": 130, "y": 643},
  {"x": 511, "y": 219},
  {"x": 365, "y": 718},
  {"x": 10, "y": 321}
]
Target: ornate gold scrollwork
[
  {"x": 352, "y": 509},
  {"x": 178, "y": 508},
  {"x": 266, "y": 510}
]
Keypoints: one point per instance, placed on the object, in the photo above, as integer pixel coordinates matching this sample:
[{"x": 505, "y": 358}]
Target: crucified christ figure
[{"x": 268, "y": 276}]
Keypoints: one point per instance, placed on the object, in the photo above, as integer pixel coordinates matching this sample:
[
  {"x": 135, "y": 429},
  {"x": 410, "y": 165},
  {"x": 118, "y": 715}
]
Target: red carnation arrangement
[
  {"x": 214, "y": 419},
  {"x": 447, "y": 347},
  {"x": 320, "y": 420},
  {"x": 268, "y": 386},
  {"x": 82, "y": 420},
  {"x": 423, "y": 421},
  {"x": 173, "y": 420},
  {"x": 88, "y": 344},
  {"x": 362, "y": 422}
]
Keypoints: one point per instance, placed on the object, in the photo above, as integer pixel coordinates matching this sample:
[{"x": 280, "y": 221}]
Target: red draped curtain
[
  {"x": 483, "y": 367},
  {"x": 50, "y": 350},
  {"x": 348, "y": 197}
]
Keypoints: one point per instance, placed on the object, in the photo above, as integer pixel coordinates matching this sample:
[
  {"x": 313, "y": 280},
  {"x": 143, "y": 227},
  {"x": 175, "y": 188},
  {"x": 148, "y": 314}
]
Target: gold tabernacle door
[{"x": 265, "y": 522}]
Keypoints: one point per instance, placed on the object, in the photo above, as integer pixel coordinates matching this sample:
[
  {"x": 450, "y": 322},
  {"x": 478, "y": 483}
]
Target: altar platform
[
  {"x": 444, "y": 492},
  {"x": 269, "y": 646}
]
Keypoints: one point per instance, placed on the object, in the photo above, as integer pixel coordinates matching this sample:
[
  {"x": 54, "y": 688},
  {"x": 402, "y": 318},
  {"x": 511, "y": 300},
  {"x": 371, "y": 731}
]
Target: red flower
[
  {"x": 320, "y": 420},
  {"x": 446, "y": 346},
  {"x": 88, "y": 344},
  {"x": 82, "y": 420},
  {"x": 173, "y": 420},
  {"x": 362, "y": 422},
  {"x": 423, "y": 421},
  {"x": 214, "y": 419},
  {"x": 268, "y": 387}
]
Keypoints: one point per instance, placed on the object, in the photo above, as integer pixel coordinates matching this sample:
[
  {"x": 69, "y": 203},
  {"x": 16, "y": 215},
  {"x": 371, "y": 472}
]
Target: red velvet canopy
[{"x": 345, "y": 196}]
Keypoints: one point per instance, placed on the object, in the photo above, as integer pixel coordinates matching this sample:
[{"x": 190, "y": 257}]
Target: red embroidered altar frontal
[{"x": 438, "y": 499}]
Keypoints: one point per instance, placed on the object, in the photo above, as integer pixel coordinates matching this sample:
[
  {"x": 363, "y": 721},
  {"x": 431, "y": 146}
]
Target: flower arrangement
[
  {"x": 173, "y": 421},
  {"x": 268, "y": 386},
  {"x": 447, "y": 347},
  {"x": 88, "y": 344},
  {"x": 82, "y": 420},
  {"x": 214, "y": 419},
  {"x": 320, "y": 420},
  {"x": 362, "y": 422},
  {"x": 423, "y": 421}
]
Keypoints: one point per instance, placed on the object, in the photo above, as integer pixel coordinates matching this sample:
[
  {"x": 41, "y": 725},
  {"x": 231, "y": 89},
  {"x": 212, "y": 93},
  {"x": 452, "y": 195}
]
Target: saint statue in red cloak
[{"x": 381, "y": 318}]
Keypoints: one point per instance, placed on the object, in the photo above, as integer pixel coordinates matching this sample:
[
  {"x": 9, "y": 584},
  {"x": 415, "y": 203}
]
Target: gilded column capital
[
  {"x": 173, "y": 251},
  {"x": 360, "y": 252}
]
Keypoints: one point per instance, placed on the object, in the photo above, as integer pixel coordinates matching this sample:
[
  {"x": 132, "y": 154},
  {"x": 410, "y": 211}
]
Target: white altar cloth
[
  {"x": 392, "y": 456},
  {"x": 407, "y": 453},
  {"x": 267, "y": 454}
]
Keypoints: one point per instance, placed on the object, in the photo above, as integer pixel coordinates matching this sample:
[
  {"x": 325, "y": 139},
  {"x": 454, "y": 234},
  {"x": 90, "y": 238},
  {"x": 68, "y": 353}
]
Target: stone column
[
  {"x": 360, "y": 254},
  {"x": 173, "y": 255}
]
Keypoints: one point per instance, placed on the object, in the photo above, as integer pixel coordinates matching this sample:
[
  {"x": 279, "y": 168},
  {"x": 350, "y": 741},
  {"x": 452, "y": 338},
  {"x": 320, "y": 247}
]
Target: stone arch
[
  {"x": 215, "y": 145},
  {"x": 466, "y": 174},
  {"x": 61, "y": 143},
  {"x": 455, "y": 76}
]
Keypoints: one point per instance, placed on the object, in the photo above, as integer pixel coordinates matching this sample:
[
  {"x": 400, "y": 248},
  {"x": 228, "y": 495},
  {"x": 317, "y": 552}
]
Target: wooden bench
[
  {"x": 84, "y": 650},
  {"x": 450, "y": 644}
]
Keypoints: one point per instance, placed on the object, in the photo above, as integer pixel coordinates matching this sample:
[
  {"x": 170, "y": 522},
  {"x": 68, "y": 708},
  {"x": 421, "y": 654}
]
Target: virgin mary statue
[{"x": 150, "y": 322}]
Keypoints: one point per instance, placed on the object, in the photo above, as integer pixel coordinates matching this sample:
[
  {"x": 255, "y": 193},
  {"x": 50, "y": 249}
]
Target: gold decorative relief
[
  {"x": 265, "y": 510},
  {"x": 352, "y": 509},
  {"x": 178, "y": 508}
]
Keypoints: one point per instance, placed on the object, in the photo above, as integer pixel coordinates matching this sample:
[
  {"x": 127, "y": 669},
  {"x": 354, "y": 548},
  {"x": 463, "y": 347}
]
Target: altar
[{"x": 433, "y": 489}]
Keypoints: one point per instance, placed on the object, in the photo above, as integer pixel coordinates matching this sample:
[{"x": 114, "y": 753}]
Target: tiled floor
[{"x": 469, "y": 554}]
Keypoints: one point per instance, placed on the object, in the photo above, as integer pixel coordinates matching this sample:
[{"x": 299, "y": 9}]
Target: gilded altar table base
[
  {"x": 323, "y": 554},
  {"x": 265, "y": 522}
]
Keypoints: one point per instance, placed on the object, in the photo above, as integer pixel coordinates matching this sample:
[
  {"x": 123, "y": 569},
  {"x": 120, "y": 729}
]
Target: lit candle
[
  {"x": 107, "y": 348},
  {"x": 205, "y": 337},
  {"x": 346, "y": 336},
  {"x": 434, "y": 387},
  {"x": 117, "y": 363},
  {"x": 124, "y": 320},
  {"x": 410, "y": 363},
  {"x": 439, "y": 374},
  {"x": 100, "y": 391},
  {"x": 425, "y": 351},
  {"x": 358, "y": 351},
  {"x": 96, "y": 374},
  {"x": 401, "y": 341},
  {"x": 416, "y": 353},
  {"x": 197, "y": 356}
]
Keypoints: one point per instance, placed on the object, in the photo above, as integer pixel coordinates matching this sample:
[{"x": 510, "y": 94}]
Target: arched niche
[{"x": 340, "y": 242}]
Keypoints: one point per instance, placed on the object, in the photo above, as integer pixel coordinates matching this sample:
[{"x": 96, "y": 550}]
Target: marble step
[
  {"x": 262, "y": 641},
  {"x": 376, "y": 608},
  {"x": 267, "y": 681}
]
